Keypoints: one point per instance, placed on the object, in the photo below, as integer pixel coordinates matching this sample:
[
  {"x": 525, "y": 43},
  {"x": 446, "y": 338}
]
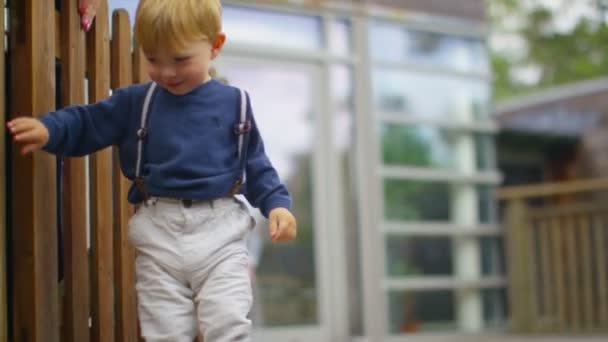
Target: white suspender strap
[{"x": 143, "y": 131}]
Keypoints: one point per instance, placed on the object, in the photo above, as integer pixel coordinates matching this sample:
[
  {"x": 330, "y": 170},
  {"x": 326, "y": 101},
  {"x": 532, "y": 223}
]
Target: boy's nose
[{"x": 167, "y": 72}]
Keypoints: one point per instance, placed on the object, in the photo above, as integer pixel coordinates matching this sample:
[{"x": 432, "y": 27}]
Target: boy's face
[{"x": 181, "y": 71}]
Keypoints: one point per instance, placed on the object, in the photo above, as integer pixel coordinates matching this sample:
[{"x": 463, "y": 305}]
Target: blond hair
[{"x": 173, "y": 24}]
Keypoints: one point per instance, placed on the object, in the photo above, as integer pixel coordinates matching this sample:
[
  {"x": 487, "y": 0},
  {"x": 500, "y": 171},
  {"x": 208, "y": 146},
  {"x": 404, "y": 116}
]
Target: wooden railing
[
  {"x": 557, "y": 236},
  {"x": 98, "y": 283}
]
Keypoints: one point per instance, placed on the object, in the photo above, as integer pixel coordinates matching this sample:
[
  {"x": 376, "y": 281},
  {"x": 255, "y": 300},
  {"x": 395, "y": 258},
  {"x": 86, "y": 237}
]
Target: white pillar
[{"x": 467, "y": 263}]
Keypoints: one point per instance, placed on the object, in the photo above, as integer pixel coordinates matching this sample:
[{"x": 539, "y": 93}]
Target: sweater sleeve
[
  {"x": 83, "y": 129},
  {"x": 264, "y": 188}
]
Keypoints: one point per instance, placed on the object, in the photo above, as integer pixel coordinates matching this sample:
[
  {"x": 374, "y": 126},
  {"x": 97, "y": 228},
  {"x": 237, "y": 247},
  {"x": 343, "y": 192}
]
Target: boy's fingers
[
  {"x": 28, "y": 148},
  {"x": 20, "y": 125},
  {"x": 285, "y": 231},
  {"x": 27, "y": 137},
  {"x": 273, "y": 226}
]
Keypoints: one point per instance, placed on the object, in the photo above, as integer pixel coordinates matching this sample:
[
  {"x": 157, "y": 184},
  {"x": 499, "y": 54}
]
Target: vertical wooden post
[
  {"x": 3, "y": 304},
  {"x": 76, "y": 279},
  {"x": 601, "y": 268},
  {"x": 98, "y": 66},
  {"x": 559, "y": 276},
  {"x": 586, "y": 271},
  {"x": 34, "y": 229},
  {"x": 518, "y": 247},
  {"x": 124, "y": 254},
  {"x": 546, "y": 264},
  {"x": 573, "y": 272}
]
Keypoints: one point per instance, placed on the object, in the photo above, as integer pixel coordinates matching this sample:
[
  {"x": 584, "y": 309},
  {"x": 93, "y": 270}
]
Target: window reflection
[
  {"x": 418, "y": 256},
  {"x": 417, "y": 145},
  {"x": 484, "y": 147},
  {"x": 492, "y": 256},
  {"x": 495, "y": 307},
  {"x": 251, "y": 26},
  {"x": 408, "y": 200},
  {"x": 488, "y": 210},
  {"x": 286, "y": 284},
  {"x": 430, "y": 96},
  {"x": 394, "y": 43},
  {"x": 412, "y": 312}
]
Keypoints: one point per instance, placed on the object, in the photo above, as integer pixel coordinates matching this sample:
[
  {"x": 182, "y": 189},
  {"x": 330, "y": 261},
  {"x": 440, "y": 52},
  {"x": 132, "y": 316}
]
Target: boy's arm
[
  {"x": 84, "y": 129},
  {"x": 265, "y": 190}
]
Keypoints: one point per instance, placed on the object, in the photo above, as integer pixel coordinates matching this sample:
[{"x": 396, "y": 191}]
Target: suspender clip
[
  {"x": 242, "y": 127},
  {"x": 236, "y": 188},
  {"x": 139, "y": 183},
  {"x": 142, "y": 133}
]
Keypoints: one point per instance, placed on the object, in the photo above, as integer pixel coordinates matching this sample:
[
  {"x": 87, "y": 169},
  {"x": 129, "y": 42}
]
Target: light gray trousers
[{"x": 192, "y": 270}]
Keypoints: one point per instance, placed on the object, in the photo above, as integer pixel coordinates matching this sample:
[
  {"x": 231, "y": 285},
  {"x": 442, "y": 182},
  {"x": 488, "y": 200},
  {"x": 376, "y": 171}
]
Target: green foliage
[{"x": 561, "y": 57}]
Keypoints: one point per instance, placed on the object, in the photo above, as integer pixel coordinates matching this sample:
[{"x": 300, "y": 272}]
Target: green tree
[{"x": 560, "y": 57}]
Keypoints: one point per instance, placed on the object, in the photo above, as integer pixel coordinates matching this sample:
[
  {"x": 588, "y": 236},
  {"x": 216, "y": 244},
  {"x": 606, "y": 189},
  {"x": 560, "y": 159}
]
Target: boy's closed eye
[{"x": 181, "y": 59}]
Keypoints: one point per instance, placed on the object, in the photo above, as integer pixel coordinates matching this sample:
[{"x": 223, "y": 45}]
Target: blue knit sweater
[{"x": 190, "y": 151}]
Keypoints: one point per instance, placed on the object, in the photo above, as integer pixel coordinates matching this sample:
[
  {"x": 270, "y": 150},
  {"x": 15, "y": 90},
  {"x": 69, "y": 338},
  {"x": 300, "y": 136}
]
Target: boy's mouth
[{"x": 173, "y": 84}]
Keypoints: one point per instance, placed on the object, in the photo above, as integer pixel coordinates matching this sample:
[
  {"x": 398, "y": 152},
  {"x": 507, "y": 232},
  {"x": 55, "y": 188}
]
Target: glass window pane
[
  {"x": 484, "y": 147},
  {"x": 495, "y": 307},
  {"x": 286, "y": 289},
  {"x": 418, "y": 256},
  {"x": 387, "y": 42},
  {"x": 430, "y": 96},
  {"x": 418, "y": 146},
  {"x": 492, "y": 256},
  {"x": 394, "y": 43},
  {"x": 412, "y": 312},
  {"x": 407, "y": 200},
  {"x": 339, "y": 37},
  {"x": 488, "y": 211},
  {"x": 245, "y": 25}
]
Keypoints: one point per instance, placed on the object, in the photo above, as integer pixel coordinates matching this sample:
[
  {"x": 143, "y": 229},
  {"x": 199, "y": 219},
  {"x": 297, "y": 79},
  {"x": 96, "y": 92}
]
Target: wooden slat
[
  {"x": 546, "y": 263},
  {"x": 519, "y": 246},
  {"x": 601, "y": 268},
  {"x": 530, "y": 238},
  {"x": 3, "y": 303},
  {"x": 574, "y": 309},
  {"x": 559, "y": 275},
  {"x": 584, "y": 233},
  {"x": 34, "y": 229},
  {"x": 551, "y": 189},
  {"x": 98, "y": 65},
  {"x": 76, "y": 278},
  {"x": 124, "y": 254},
  {"x": 568, "y": 209}
]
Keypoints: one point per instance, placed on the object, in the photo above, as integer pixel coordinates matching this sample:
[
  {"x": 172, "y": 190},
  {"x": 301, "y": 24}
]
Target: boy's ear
[{"x": 217, "y": 44}]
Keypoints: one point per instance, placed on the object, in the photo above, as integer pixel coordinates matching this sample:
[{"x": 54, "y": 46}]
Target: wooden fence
[
  {"x": 557, "y": 236},
  {"x": 98, "y": 299}
]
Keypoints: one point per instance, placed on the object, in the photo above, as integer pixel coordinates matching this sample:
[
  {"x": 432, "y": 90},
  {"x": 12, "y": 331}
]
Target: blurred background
[{"x": 445, "y": 159}]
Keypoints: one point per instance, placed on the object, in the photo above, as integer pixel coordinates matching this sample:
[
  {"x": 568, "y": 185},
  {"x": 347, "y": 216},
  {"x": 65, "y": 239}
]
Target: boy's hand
[
  {"x": 29, "y": 132},
  {"x": 282, "y": 225}
]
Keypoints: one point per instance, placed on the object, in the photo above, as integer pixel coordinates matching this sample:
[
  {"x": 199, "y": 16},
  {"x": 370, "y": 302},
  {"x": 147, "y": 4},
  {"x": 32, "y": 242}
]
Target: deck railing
[
  {"x": 557, "y": 236},
  {"x": 98, "y": 299}
]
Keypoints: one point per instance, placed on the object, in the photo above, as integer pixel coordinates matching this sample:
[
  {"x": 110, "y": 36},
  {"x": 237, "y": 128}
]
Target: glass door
[{"x": 290, "y": 286}]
